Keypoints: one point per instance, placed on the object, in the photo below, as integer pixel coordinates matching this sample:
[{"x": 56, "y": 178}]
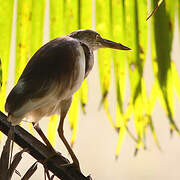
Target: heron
[{"x": 51, "y": 77}]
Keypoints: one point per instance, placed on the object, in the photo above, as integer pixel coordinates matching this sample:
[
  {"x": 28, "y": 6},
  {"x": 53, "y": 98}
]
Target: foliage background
[{"x": 103, "y": 144}]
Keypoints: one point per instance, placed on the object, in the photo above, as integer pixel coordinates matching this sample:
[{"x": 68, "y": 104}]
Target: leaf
[
  {"x": 103, "y": 27},
  {"x": 85, "y": 22},
  {"x": 56, "y": 18},
  {"x": 52, "y": 126},
  {"x": 119, "y": 58},
  {"x": 176, "y": 78},
  {"x": 30, "y": 172},
  {"x": 85, "y": 14},
  {"x": 71, "y": 16},
  {"x": 72, "y": 21},
  {"x": 137, "y": 40},
  {"x": 38, "y": 12},
  {"x": 6, "y": 14},
  {"x": 122, "y": 131},
  {"x": 56, "y": 30},
  {"x": 73, "y": 116},
  {"x": 5, "y": 156},
  {"x": 179, "y": 14},
  {"x": 161, "y": 51},
  {"x": 155, "y": 9},
  {"x": 16, "y": 160},
  {"x": 154, "y": 133},
  {"x": 23, "y": 32},
  {"x": 84, "y": 95}
]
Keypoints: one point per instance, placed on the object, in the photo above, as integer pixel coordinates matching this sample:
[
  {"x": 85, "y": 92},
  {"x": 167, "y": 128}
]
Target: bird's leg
[
  {"x": 65, "y": 105},
  {"x": 42, "y": 135}
]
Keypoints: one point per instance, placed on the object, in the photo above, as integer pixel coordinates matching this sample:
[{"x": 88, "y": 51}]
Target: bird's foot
[
  {"x": 66, "y": 165},
  {"x": 71, "y": 165},
  {"x": 54, "y": 155}
]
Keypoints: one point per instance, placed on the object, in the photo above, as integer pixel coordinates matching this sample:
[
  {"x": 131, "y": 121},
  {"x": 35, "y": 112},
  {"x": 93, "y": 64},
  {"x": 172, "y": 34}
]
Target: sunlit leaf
[
  {"x": 84, "y": 95},
  {"x": 176, "y": 78},
  {"x": 103, "y": 26},
  {"x": 179, "y": 14},
  {"x": 56, "y": 18},
  {"x": 85, "y": 14},
  {"x": 73, "y": 116},
  {"x": 119, "y": 58},
  {"x": 122, "y": 133},
  {"x": 155, "y": 9},
  {"x": 56, "y": 30},
  {"x": 164, "y": 19},
  {"x": 72, "y": 21},
  {"x": 70, "y": 16},
  {"x": 52, "y": 126},
  {"x": 154, "y": 133},
  {"x": 137, "y": 40},
  {"x": 85, "y": 22},
  {"x": 23, "y": 32},
  {"x": 6, "y": 12},
  {"x": 38, "y": 10}
]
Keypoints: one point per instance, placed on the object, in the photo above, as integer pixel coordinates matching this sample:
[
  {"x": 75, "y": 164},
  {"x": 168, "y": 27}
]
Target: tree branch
[{"x": 40, "y": 152}]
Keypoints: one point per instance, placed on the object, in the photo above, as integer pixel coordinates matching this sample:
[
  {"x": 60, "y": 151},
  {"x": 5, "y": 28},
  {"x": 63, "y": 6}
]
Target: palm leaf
[
  {"x": 6, "y": 14},
  {"x": 137, "y": 40},
  {"x": 23, "y": 32},
  {"x": 56, "y": 29},
  {"x": 103, "y": 27},
  {"x": 164, "y": 18}
]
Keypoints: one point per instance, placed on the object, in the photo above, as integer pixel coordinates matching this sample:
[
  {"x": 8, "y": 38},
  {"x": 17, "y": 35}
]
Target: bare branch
[{"x": 40, "y": 152}]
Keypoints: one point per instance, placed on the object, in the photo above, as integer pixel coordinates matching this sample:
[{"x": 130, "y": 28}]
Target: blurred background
[{"x": 100, "y": 137}]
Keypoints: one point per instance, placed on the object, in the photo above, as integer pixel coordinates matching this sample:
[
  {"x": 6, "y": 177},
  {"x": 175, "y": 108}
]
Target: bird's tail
[{"x": 14, "y": 120}]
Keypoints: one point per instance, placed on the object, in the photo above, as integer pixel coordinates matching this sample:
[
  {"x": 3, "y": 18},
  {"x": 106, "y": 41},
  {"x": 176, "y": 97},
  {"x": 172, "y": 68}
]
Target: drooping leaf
[
  {"x": 71, "y": 16},
  {"x": 161, "y": 50},
  {"x": 56, "y": 18},
  {"x": 52, "y": 126},
  {"x": 38, "y": 9},
  {"x": 176, "y": 78},
  {"x": 85, "y": 22},
  {"x": 6, "y": 14},
  {"x": 56, "y": 30},
  {"x": 6, "y": 156},
  {"x": 16, "y": 160},
  {"x": 119, "y": 59},
  {"x": 73, "y": 116},
  {"x": 85, "y": 14},
  {"x": 122, "y": 130},
  {"x": 154, "y": 133},
  {"x": 72, "y": 19},
  {"x": 104, "y": 27},
  {"x": 30, "y": 172},
  {"x": 179, "y": 14},
  {"x": 149, "y": 106},
  {"x": 84, "y": 95},
  {"x": 155, "y": 9},
  {"x": 137, "y": 40},
  {"x": 23, "y": 32}
]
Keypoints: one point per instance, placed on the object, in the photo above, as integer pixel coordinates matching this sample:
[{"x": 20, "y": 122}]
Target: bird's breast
[{"x": 78, "y": 73}]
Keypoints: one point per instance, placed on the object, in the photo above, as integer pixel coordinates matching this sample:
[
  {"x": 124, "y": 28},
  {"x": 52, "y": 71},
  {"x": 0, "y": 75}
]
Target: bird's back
[{"x": 54, "y": 73}]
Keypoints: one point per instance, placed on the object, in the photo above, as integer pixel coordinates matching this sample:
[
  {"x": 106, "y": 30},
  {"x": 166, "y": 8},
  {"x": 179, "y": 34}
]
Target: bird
[{"x": 51, "y": 77}]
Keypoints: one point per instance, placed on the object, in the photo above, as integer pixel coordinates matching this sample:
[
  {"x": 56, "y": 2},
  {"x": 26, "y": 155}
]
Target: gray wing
[{"x": 51, "y": 65}]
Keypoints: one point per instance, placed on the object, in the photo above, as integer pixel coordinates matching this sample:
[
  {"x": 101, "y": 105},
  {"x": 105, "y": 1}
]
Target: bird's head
[{"x": 95, "y": 41}]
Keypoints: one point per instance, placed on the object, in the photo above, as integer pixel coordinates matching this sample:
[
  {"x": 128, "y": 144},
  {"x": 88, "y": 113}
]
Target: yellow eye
[{"x": 97, "y": 36}]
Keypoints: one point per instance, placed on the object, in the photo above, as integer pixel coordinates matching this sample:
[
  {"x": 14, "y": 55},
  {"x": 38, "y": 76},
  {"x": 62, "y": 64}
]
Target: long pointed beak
[{"x": 111, "y": 44}]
